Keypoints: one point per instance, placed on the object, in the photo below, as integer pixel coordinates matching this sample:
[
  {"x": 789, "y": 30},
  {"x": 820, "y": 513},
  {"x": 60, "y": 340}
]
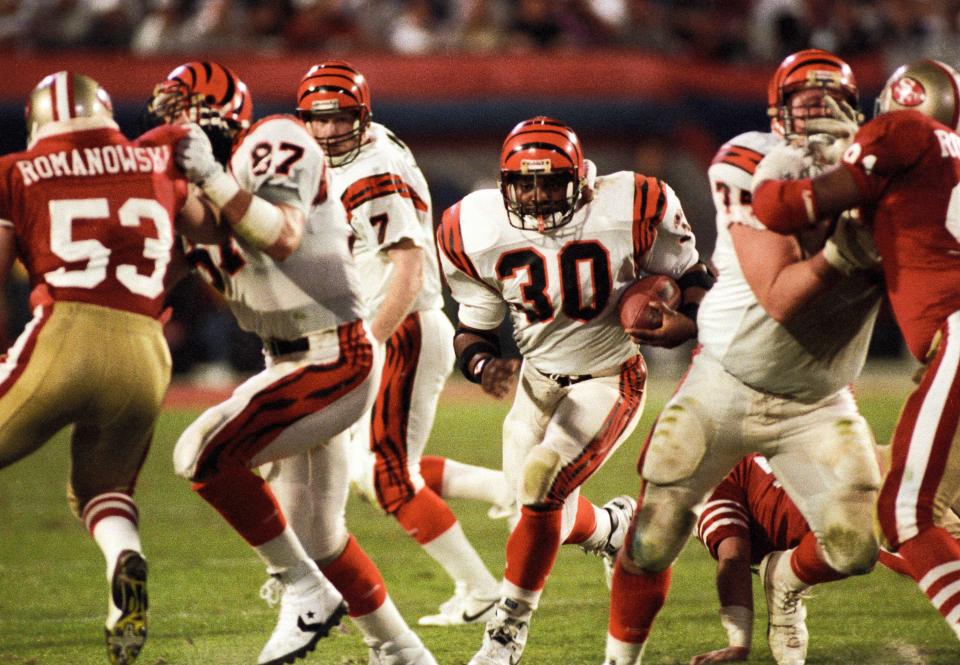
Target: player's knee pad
[
  {"x": 539, "y": 470},
  {"x": 660, "y": 530},
  {"x": 847, "y": 448},
  {"x": 849, "y": 541},
  {"x": 677, "y": 445}
]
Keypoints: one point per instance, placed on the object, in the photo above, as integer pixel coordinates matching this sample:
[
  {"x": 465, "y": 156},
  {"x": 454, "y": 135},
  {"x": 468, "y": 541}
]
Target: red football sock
[
  {"x": 357, "y": 579},
  {"x": 532, "y": 548},
  {"x": 635, "y": 601},
  {"x": 585, "y": 523},
  {"x": 933, "y": 557},
  {"x": 431, "y": 470},
  {"x": 425, "y": 516},
  {"x": 895, "y": 562},
  {"x": 246, "y": 502},
  {"x": 808, "y": 565}
]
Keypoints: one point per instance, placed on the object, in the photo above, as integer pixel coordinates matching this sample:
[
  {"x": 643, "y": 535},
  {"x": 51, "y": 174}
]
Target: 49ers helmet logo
[{"x": 908, "y": 91}]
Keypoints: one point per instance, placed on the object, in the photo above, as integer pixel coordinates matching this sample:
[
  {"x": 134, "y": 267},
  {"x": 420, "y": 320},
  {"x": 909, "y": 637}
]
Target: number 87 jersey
[{"x": 561, "y": 285}]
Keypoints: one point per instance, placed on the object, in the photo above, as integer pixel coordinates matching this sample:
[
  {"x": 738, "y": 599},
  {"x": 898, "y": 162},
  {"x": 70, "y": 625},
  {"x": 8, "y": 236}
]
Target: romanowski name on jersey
[{"x": 100, "y": 160}]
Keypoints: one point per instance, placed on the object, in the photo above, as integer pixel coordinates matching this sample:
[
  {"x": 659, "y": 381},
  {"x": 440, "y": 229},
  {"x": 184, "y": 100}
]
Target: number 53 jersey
[
  {"x": 92, "y": 213},
  {"x": 562, "y": 286}
]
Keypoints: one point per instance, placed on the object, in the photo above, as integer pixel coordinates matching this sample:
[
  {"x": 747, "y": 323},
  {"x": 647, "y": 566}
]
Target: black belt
[
  {"x": 281, "y": 347},
  {"x": 565, "y": 380}
]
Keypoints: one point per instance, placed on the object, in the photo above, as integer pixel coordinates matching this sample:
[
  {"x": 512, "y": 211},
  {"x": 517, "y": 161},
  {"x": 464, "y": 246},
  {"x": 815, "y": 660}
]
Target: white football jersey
[
  {"x": 387, "y": 199},
  {"x": 316, "y": 286},
  {"x": 816, "y": 354},
  {"x": 562, "y": 286}
]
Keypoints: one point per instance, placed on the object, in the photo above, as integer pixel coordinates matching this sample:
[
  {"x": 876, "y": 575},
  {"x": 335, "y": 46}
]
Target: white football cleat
[
  {"x": 786, "y": 614},
  {"x": 621, "y": 510},
  {"x": 503, "y": 642},
  {"x": 464, "y": 607},
  {"x": 309, "y": 608},
  {"x": 407, "y": 649}
]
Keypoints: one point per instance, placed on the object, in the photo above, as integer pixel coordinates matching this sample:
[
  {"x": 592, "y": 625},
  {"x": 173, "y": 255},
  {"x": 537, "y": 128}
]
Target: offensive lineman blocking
[{"x": 321, "y": 370}]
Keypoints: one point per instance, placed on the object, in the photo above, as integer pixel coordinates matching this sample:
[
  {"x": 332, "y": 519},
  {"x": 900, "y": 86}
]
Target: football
[{"x": 634, "y": 307}]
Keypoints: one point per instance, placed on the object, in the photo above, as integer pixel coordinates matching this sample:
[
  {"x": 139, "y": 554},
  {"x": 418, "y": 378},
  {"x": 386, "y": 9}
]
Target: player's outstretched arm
[
  {"x": 735, "y": 590},
  {"x": 273, "y": 228}
]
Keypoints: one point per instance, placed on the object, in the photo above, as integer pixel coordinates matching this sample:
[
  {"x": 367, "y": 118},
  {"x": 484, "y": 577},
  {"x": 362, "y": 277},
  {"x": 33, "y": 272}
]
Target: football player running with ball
[
  {"x": 555, "y": 247},
  {"x": 375, "y": 177},
  {"x": 782, "y": 336},
  {"x": 286, "y": 272},
  {"x": 903, "y": 170}
]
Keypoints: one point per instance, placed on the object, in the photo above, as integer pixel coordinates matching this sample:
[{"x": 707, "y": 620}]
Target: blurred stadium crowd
[
  {"x": 727, "y": 30},
  {"x": 206, "y": 343}
]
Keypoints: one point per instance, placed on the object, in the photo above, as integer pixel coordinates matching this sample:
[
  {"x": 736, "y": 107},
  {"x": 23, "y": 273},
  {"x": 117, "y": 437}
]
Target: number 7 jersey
[{"x": 562, "y": 286}]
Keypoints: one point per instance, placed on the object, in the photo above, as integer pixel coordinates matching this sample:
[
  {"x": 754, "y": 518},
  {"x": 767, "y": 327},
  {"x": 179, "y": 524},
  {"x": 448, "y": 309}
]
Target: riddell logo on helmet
[
  {"x": 325, "y": 105},
  {"x": 535, "y": 166},
  {"x": 820, "y": 77},
  {"x": 908, "y": 92}
]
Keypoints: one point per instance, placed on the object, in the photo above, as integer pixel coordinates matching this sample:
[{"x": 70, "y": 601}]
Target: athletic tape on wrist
[
  {"x": 261, "y": 225},
  {"x": 738, "y": 622},
  {"x": 220, "y": 188}
]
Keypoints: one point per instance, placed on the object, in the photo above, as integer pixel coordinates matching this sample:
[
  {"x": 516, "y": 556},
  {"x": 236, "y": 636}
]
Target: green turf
[{"x": 204, "y": 581}]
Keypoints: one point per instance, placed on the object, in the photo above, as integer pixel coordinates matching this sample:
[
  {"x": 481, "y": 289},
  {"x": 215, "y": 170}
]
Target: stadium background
[{"x": 649, "y": 85}]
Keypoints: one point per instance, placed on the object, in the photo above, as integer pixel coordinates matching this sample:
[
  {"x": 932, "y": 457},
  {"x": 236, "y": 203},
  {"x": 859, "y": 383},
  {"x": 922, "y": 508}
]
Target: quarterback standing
[
  {"x": 903, "y": 170},
  {"x": 92, "y": 217},
  {"x": 376, "y": 179},
  {"x": 782, "y": 335},
  {"x": 321, "y": 368},
  {"x": 555, "y": 247}
]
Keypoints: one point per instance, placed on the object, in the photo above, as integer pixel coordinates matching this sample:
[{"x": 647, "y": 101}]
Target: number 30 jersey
[
  {"x": 92, "y": 213},
  {"x": 316, "y": 286},
  {"x": 562, "y": 286}
]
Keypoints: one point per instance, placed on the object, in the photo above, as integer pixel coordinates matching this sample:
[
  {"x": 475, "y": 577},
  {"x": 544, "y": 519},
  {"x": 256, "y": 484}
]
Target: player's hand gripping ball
[{"x": 641, "y": 305}]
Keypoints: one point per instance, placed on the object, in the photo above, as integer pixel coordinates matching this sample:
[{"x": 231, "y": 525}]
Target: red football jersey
[
  {"x": 907, "y": 166},
  {"x": 93, "y": 215},
  {"x": 750, "y": 504}
]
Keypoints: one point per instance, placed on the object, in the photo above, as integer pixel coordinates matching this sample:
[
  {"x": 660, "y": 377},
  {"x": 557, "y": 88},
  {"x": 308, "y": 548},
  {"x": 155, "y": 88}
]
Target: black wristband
[
  {"x": 701, "y": 278},
  {"x": 469, "y": 353},
  {"x": 690, "y": 310}
]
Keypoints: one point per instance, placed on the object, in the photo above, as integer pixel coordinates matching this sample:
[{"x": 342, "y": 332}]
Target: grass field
[{"x": 204, "y": 581}]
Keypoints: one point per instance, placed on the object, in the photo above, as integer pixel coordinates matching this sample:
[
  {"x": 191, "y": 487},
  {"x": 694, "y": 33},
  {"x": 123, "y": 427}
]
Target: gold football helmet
[
  {"x": 64, "y": 96},
  {"x": 929, "y": 86}
]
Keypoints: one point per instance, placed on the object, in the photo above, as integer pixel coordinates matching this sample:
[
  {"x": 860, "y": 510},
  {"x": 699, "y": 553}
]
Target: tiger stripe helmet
[
  {"x": 334, "y": 87},
  {"x": 929, "y": 86},
  {"x": 541, "y": 155},
  {"x": 803, "y": 70},
  {"x": 65, "y": 95},
  {"x": 208, "y": 94}
]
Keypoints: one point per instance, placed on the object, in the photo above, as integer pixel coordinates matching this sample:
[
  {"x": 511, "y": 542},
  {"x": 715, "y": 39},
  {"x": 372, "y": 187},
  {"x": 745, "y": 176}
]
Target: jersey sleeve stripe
[
  {"x": 738, "y": 156},
  {"x": 377, "y": 186},
  {"x": 450, "y": 242},
  {"x": 649, "y": 206}
]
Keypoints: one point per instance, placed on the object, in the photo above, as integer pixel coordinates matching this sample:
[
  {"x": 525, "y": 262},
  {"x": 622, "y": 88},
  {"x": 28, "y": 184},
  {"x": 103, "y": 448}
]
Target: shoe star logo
[{"x": 313, "y": 627}]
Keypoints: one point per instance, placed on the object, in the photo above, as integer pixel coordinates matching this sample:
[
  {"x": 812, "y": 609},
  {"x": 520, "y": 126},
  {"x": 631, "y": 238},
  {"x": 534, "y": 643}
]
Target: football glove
[
  {"x": 850, "y": 247},
  {"x": 195, "y": 158}
]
